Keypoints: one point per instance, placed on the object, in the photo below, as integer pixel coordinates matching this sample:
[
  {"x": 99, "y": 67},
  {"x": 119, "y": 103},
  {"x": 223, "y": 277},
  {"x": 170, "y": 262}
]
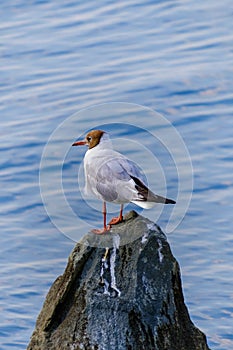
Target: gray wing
[{"x": 111, "y": 172}]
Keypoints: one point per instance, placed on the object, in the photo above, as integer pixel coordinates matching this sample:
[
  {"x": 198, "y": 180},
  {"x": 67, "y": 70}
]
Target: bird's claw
[
  {"x": 101, "y": 231},
  {"x": 115, "y": 221}
]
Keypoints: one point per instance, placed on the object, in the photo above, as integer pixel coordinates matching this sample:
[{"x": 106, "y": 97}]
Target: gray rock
[{"x": 132, "y": 300}]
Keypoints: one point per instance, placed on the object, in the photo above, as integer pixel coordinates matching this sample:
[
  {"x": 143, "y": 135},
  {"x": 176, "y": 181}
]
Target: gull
[{"x": 111, "y": 177}]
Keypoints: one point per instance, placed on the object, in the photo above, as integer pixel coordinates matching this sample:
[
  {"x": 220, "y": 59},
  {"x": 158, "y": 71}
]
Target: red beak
[{"x": 79, "y": 143}]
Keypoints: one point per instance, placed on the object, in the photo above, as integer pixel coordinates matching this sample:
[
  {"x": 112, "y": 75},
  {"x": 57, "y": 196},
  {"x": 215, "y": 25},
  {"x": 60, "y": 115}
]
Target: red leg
[
  {"x": 121, "y": 213},
  {"x": 106, "y": 227},
  {"x": 118, "y": 219},
  {"x": 104, "y": 211}
]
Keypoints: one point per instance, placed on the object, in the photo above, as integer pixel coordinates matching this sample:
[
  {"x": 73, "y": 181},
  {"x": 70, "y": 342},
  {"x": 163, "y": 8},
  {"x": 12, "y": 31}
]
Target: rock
[{"x": 132, "y": 300}]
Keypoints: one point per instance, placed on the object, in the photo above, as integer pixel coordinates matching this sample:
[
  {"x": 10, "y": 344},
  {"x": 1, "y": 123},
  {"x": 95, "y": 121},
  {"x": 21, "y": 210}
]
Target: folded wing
[{"x": 120, "y": 180}]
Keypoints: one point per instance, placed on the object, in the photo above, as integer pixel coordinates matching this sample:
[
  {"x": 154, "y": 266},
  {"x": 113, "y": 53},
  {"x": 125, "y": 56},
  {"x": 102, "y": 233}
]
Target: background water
[{"x": 59, "y": 57}]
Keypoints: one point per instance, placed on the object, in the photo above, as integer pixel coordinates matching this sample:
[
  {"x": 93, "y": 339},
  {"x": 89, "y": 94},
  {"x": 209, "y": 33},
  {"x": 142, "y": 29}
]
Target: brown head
[{"x": 92, "y": 139}]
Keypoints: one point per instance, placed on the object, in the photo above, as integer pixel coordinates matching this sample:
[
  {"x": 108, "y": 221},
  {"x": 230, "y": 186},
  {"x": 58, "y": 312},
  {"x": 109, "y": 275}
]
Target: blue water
[{"x": 57, "y": 58}]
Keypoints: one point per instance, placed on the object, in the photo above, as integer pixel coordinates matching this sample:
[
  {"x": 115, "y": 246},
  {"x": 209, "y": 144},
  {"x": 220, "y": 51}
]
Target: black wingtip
[{"x": 170, "y": 201}]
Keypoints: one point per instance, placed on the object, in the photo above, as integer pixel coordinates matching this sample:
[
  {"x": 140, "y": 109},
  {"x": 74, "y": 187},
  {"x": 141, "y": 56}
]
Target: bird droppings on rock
[
  {"x": 104, "y": 267},
  {"x": 160, "y": 247},
  {"x": 116, "y": 243}
]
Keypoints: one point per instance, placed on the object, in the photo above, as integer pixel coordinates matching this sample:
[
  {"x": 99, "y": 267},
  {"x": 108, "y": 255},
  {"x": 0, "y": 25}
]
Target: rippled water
[{"x": 172, "y": 56}]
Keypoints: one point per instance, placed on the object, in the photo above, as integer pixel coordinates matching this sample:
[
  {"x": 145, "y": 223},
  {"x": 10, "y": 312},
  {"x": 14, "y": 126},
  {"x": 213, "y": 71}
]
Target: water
[{"x": 172, "y": 56}]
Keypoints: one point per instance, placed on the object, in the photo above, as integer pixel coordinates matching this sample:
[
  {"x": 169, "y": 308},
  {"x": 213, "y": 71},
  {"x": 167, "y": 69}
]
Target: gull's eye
[{"x": 89, "y": 138}]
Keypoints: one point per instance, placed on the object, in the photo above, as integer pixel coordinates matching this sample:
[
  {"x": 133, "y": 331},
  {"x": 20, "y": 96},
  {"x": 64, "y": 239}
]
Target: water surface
[{"x": 172, "y": 56}]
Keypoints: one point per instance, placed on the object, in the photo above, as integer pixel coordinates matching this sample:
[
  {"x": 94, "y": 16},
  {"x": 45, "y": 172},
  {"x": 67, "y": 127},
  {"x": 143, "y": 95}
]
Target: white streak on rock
[
  {"x": 160, "y": 251},
  {"x": 106, "y": 286},
  {"x": 104, "y": 266},
  {"x": 144, "y": 238},
  {"x": 151, "y": 226},
  {"x": 116, "y": 243}
]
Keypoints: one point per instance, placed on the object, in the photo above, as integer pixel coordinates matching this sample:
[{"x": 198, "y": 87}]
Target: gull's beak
[{"x": 79, "y": 143}]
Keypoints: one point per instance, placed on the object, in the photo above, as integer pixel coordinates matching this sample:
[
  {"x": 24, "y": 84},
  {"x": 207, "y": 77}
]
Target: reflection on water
[{"x": 56, "y": 59}]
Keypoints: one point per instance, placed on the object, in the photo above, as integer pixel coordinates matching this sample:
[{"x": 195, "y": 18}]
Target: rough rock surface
[{"x": 131, "y": 300}]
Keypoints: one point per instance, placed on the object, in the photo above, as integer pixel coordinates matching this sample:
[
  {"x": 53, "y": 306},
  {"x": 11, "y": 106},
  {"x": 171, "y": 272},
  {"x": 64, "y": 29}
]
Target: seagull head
[{"x": 93, "y": 138}]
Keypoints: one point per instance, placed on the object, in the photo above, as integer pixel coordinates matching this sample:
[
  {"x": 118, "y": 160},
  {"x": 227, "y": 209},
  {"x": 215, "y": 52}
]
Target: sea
[{"x": 158, "y": 77}]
